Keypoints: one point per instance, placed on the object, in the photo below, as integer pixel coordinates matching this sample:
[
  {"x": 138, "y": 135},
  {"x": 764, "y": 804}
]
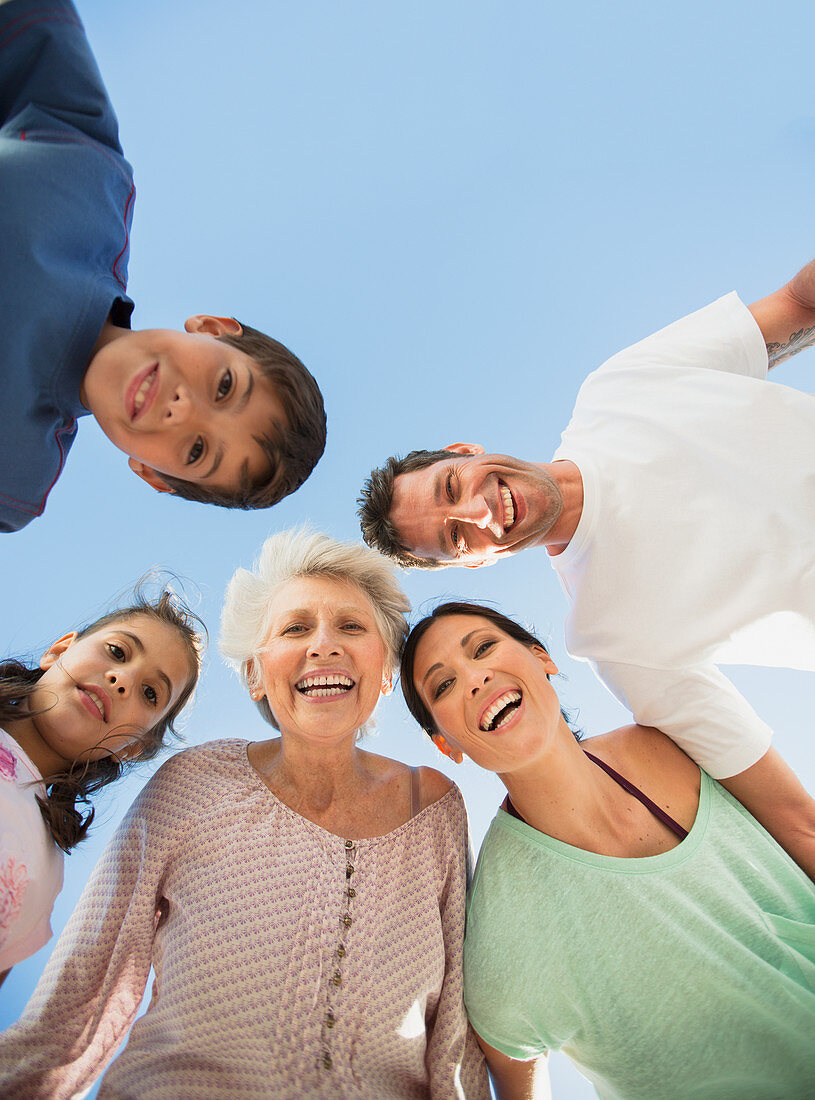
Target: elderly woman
[
  {"x": 625, "y": 909},
  {"x": 301, "y": 900}
]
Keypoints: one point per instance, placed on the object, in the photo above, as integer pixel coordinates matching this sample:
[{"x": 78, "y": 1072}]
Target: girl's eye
[
  {"x": 150, "y": 695},
  {"x": 483, "y": 647},
  {"x": 440, "y": 688},
  {"x": 116, "y": 651},
  {"x": 225, "y": 385},
  {"x": 196, "y": 450}
]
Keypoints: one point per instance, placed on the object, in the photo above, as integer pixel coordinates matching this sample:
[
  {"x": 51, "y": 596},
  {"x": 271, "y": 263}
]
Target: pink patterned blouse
[{"x": 289, "y": 962}]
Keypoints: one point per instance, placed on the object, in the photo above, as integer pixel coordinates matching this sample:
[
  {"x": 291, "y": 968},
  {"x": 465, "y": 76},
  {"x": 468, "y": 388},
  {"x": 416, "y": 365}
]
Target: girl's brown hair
[{"x": 67, "y": 791}]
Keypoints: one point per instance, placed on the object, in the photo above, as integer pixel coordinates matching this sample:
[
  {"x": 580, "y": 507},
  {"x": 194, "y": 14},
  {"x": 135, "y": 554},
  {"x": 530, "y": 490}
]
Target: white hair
[{"x": 301, "y": 552}]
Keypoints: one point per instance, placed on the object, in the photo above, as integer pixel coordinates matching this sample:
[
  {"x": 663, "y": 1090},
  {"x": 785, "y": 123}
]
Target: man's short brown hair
[
  {"x": 292, "y": 452},
  {"x": 376, "y": 501}
]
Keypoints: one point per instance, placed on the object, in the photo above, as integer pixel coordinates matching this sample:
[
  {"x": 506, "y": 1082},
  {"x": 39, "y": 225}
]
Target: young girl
[{"x": 100, "y": 699}]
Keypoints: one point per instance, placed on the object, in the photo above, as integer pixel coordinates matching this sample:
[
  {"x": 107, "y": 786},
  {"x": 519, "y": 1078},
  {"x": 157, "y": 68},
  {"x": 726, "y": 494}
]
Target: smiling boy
[{"x": 218, "y": 413}]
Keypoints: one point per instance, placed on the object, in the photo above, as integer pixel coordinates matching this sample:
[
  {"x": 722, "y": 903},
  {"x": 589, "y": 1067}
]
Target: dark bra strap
[
  {"x": 657, "y": 811},
  {"x": 415, "y": 791}
]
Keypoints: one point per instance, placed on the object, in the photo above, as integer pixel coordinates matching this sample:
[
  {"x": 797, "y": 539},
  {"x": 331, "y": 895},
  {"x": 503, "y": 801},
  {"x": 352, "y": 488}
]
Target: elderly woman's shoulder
[
  {"x": 434, "y": 785},
  {"x": 202, "y": 762}
]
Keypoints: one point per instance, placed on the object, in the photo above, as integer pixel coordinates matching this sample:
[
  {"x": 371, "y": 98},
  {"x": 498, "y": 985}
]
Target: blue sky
[{"x": 452, "y": 212}]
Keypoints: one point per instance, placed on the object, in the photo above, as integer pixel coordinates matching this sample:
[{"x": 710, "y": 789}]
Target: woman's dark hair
[
  {"x": 443, "y": 611},
  {"x": 66, "y": 791}
]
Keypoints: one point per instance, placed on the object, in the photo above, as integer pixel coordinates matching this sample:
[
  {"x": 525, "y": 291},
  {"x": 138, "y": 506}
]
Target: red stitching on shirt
[
  {"x": 83, "y": 139},
  {"x": 57, "y": 434},
  {"x": 24, "y": 506},
  {"x": 44, "y": 15},
  {"x": 116, "y": 276}
]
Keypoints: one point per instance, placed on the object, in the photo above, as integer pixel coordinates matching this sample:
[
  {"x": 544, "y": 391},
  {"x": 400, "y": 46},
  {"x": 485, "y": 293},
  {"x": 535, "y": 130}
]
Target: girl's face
[
  {"x": 104, "y": 691},
  {"x": 323, "y": 665},
  {"x": 488, "y": 695}
]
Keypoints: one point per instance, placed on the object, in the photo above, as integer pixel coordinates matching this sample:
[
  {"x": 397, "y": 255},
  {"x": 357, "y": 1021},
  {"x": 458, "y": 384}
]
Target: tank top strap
[
  {"x": 415, "y": 791},
  {"x": 657, "y": 811},
  {"x": 627, "y": 785}
]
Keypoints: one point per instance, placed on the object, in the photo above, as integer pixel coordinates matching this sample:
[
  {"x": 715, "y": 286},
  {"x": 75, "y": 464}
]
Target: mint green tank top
[{"x": 683, "y": 975}]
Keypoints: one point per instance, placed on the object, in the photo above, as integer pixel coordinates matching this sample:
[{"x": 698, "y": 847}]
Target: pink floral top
[
  {"x": 289, "y": 962},
  {"x": 30, "y": 862}
]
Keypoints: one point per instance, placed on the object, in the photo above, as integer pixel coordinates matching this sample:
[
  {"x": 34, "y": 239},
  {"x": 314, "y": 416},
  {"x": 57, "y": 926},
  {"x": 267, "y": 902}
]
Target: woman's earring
[
  {"x": 456, "y": 755},
  {"x": 387, "y": 687}
]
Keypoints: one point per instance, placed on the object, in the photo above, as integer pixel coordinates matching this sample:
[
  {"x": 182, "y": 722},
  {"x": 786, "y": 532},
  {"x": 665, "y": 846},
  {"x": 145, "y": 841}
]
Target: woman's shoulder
[
  {"x": 648, "y": 758},
  {"x": 434, "y": 785},
  {"x": 199, "y": 767}
]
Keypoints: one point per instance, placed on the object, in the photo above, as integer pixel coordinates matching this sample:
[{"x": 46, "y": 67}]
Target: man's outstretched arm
[
  {"x": 701, "y": 710},
  {"x": 774, "y": 795},
  {"x": 787, "y": 317}
]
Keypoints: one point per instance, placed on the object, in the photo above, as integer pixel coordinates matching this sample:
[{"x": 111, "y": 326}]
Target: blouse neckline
[
  {"x": 257, "y": 780},
  {"x": 621, "y": 864}
]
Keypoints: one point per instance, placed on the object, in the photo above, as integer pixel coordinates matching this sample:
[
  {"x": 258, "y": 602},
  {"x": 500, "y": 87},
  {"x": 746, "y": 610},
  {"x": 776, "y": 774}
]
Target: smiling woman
[
  {"x": 100, "y": 698},
  {"x": 664, "y": 912},
  {"x": 310, "y": 894}
]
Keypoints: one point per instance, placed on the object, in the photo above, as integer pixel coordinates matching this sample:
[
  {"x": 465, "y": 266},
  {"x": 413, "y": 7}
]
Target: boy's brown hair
[{"x": 293, "y": 452}]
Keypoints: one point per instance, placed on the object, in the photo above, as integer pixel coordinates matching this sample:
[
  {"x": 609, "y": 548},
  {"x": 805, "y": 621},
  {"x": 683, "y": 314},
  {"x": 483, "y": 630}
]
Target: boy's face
[{"x": 183, "y": 403}]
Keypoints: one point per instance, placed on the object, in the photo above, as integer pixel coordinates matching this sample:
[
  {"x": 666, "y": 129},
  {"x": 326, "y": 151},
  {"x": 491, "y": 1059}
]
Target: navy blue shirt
[{"x": 66, "y": 202}]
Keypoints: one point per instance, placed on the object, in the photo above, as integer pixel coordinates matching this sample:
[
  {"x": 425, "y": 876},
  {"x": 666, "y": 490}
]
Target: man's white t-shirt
[
  {"x": 696, "y": 545},
  {"x": 30, "y": 861}
]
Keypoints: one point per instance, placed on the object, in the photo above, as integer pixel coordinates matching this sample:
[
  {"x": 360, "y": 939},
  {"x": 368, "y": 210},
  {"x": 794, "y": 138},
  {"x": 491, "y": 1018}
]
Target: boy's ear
[
  {"x": 54, "y": 652},
  {"x": 151, "y": 476},
  {"x": 207, "y": 325}
]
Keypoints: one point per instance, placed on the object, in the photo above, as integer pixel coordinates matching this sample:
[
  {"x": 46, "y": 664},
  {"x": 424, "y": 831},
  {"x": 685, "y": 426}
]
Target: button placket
[{"x": 346, "y": 920}]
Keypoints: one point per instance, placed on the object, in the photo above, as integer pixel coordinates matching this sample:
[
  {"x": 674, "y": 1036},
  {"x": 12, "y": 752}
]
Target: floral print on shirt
[
  {"x": 13, "y": 883},
  {"x": 8, "y": 765}
]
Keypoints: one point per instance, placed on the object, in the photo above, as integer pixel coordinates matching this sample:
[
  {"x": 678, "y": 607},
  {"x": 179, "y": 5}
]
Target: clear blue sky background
[{"x": 452, "y": 211}]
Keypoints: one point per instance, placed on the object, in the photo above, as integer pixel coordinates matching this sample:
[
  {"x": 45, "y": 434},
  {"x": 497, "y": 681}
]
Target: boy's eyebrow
[
  {"x": 237, "y": 408},
  {"x": 219, "y": 457},
  {"x": 139, "y": 645},
  {"x": 247, "y": 393}
]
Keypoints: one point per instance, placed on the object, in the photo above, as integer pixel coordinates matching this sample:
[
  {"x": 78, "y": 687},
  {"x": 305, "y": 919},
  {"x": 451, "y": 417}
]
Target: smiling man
[
  {"x": 219, "y": 413},
  {"x": 679, "y": 513}
]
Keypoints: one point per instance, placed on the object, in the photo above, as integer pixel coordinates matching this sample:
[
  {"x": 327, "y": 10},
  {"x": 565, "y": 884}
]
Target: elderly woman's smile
[
  {"x": 325, "y": 686},
  {"x": 322, "y": 666}
]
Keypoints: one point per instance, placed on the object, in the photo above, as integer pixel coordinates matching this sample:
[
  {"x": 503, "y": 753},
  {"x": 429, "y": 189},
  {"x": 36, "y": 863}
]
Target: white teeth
[
  {"x": 509, "y": 509},
  {"x": 504, "y": 701},
  {"x": 321, "y": 686},
  {"x": 141, "y": 392},
  {"x": 99, "y": 704}
]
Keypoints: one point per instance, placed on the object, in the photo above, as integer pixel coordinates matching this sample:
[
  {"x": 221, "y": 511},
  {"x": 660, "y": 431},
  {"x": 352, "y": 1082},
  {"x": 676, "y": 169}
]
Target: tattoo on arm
[{"x": 804, "y": 338}]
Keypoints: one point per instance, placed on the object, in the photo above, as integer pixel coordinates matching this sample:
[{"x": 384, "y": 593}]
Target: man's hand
[
  {"x": 773, "y": 794},
  {"x": 787, "y": 317}
]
